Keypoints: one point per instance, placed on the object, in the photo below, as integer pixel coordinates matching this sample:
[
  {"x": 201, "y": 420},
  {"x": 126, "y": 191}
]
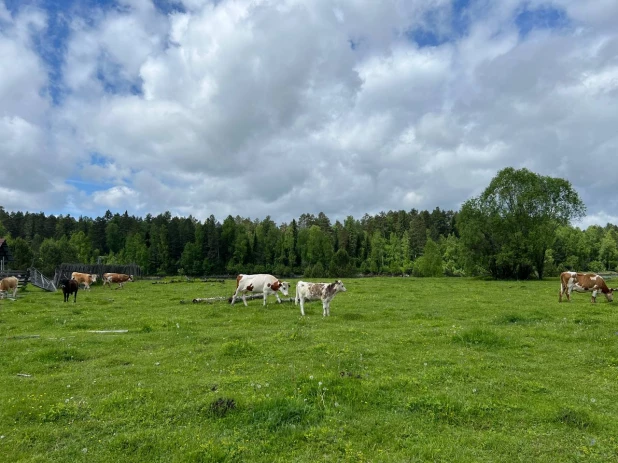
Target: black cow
[{"x": 69, "y": 287}]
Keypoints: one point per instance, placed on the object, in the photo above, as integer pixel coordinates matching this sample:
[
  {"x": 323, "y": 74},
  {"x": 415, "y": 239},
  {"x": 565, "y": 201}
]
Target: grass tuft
[
  {"x": 282, "y": 413},
  {"x": 479, "y": 337},
  {"x": 221, "y": 407},
  {"x": 238, "y": 349},
  {"x": 61, "y": 355},
  {"x": 579, "y": 419}
]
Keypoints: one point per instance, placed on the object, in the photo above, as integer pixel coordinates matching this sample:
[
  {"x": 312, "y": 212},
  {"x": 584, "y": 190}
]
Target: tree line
[{"x": 519, "y": 227}]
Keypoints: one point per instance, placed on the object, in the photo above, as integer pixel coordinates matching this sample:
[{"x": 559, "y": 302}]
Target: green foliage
[
  {"x": 341, "y": 265},
  {"x": 53, "y": 252},
  {"x": 511, "y": 225},
  {"x": 518, "y": 227},
  {"x": 430, "y": 263},
  {"x": 22, "y": 253}
]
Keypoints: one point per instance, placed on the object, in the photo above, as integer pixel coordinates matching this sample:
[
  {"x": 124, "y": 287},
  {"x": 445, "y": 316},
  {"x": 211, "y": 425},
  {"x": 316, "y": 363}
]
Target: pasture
[{"x": 404, "y": 370}]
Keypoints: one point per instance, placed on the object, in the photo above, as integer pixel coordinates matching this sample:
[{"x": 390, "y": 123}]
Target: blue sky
[{"x": 258, "y": 108}]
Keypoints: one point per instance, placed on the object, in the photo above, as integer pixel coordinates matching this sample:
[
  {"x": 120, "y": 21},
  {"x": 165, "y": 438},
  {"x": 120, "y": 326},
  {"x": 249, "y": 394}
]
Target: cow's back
[{"x": 8, "y": 283}]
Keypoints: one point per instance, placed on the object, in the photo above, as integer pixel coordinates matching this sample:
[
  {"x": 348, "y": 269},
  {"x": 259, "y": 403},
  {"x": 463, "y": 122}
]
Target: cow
[
  {"x": 582, "y": 282},
  {"x": 311, "y": 291},
  {"x": 120, "y": 278},
  {"x": 8, "y": 283},
  {"x": 86, "y": 278},
  {"x": 69, "y": 287},
  {"x": 259, "y": 283}
]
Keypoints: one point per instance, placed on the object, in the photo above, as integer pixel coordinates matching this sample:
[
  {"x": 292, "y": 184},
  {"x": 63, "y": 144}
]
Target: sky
[{"x": 277, "y": 108}]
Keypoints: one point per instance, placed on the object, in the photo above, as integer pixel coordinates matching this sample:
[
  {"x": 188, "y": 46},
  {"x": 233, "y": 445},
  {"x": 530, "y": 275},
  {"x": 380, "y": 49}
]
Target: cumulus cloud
[{"x": 257, "y": 108}]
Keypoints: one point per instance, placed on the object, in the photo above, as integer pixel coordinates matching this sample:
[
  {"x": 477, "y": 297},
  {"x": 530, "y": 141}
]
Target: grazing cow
[
  {"x": 86, "y": 278},
  {"x": 259, "y": 283},
  {"x": 582, "y": 282},
  {"x": 8, "y": 283},
  {"x": 120, "y": 278},
  {"x": 311, "y": 291},
  {"x": 69, "y": 287}
]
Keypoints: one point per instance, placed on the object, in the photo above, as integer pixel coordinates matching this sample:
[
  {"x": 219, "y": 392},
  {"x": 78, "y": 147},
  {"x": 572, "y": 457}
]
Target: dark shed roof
[{"x": 5, "y": 251}]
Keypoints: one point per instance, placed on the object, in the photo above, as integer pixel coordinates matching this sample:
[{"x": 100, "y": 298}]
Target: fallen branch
[
  {"x": 25, "y": 375},
  {"x": 26, "y": 336},
  {"x": 187, "y": 281},
  {"x": 211, "y": 300},
  {"x": 108, "y": 331}
]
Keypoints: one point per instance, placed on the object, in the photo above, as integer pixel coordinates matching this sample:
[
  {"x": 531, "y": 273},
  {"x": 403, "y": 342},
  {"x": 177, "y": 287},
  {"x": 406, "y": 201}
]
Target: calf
[
  {"x": 84, "y": 278},
  {"x": 8, "y": 283},
  {"x": 311, "y": 291},
  {"x": 259, "y": 283},
  {"x": 120, "y": 278},
  {"x": 582, "y": 282},
  {"x": 69, "y": 287}
]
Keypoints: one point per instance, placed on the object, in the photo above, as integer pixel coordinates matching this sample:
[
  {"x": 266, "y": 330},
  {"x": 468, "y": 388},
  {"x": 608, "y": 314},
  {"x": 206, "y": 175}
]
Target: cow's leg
[
  {"x": 593, "y": 299},
  {"x": 235, "y": 295},
  {"x": 278, "y": 298},
  {"x": 302, "y": 306},
  {"x": 569, "y": 291},
  {"x": 14, "y": 292},
  {"x": 324, "y": 308},
  {"x": 244, "y": 298},
  {"x": 75, "y": 297},
  {"x": 265, "y": 296}
]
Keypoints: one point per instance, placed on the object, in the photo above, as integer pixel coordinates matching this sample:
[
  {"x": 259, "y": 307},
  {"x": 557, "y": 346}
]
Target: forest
[{"x": 519, "y": 228}]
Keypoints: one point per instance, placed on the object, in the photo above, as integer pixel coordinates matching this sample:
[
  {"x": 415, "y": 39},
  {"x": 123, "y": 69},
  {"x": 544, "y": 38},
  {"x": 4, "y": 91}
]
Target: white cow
[
  {"x": 311, "y": 291},
  {"x": 259, "y": 283}
]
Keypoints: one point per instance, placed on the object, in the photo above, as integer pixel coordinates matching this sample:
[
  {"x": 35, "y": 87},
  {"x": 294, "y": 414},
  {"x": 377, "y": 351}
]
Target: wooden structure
[{"x": 5, "y": 255}]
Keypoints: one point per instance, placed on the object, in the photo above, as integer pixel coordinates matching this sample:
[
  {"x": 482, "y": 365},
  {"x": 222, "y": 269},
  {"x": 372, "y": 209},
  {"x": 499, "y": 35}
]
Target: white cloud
[{"x": 259, "y": 108}]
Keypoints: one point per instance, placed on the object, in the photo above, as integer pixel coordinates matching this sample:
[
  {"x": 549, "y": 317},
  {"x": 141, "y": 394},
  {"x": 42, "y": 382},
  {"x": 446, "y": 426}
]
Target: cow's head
[
  {"x": 339, "y": 286},
  {"x": 610, "y": 294},
  {"x": 285, "y": 286}
]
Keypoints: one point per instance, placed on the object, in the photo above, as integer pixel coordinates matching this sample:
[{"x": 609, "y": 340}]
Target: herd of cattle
[
  {"x": 259, "y": 283},
  {"x": 270, "y": 285},
  {"x": 70, "y": 286}
]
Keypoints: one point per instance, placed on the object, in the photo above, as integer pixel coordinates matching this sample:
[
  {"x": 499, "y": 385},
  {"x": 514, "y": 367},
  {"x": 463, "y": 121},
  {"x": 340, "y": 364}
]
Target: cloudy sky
[{"x": 284, "y": 107}]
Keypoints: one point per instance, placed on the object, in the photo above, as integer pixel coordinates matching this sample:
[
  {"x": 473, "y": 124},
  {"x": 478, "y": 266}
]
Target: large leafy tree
[{"x": 511, "y": 225}]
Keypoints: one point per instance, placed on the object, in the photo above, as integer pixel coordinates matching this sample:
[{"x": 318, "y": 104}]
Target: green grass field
[{"x": 404, "y": 370}]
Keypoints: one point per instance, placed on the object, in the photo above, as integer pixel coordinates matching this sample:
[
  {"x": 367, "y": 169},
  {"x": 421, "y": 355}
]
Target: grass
[{"x": 404, "y": 370}]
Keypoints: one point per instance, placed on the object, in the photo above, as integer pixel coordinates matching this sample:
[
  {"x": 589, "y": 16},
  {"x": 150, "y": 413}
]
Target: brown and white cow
[
  {"x": 84, "y": 278},
  {"x": 8, "y": 283},
  {"x": 311, "y": 291},
  {"x": 120, "y": 278},
  {"x": 259, "y": 283},
  {"x": 582, "y": 282}
]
